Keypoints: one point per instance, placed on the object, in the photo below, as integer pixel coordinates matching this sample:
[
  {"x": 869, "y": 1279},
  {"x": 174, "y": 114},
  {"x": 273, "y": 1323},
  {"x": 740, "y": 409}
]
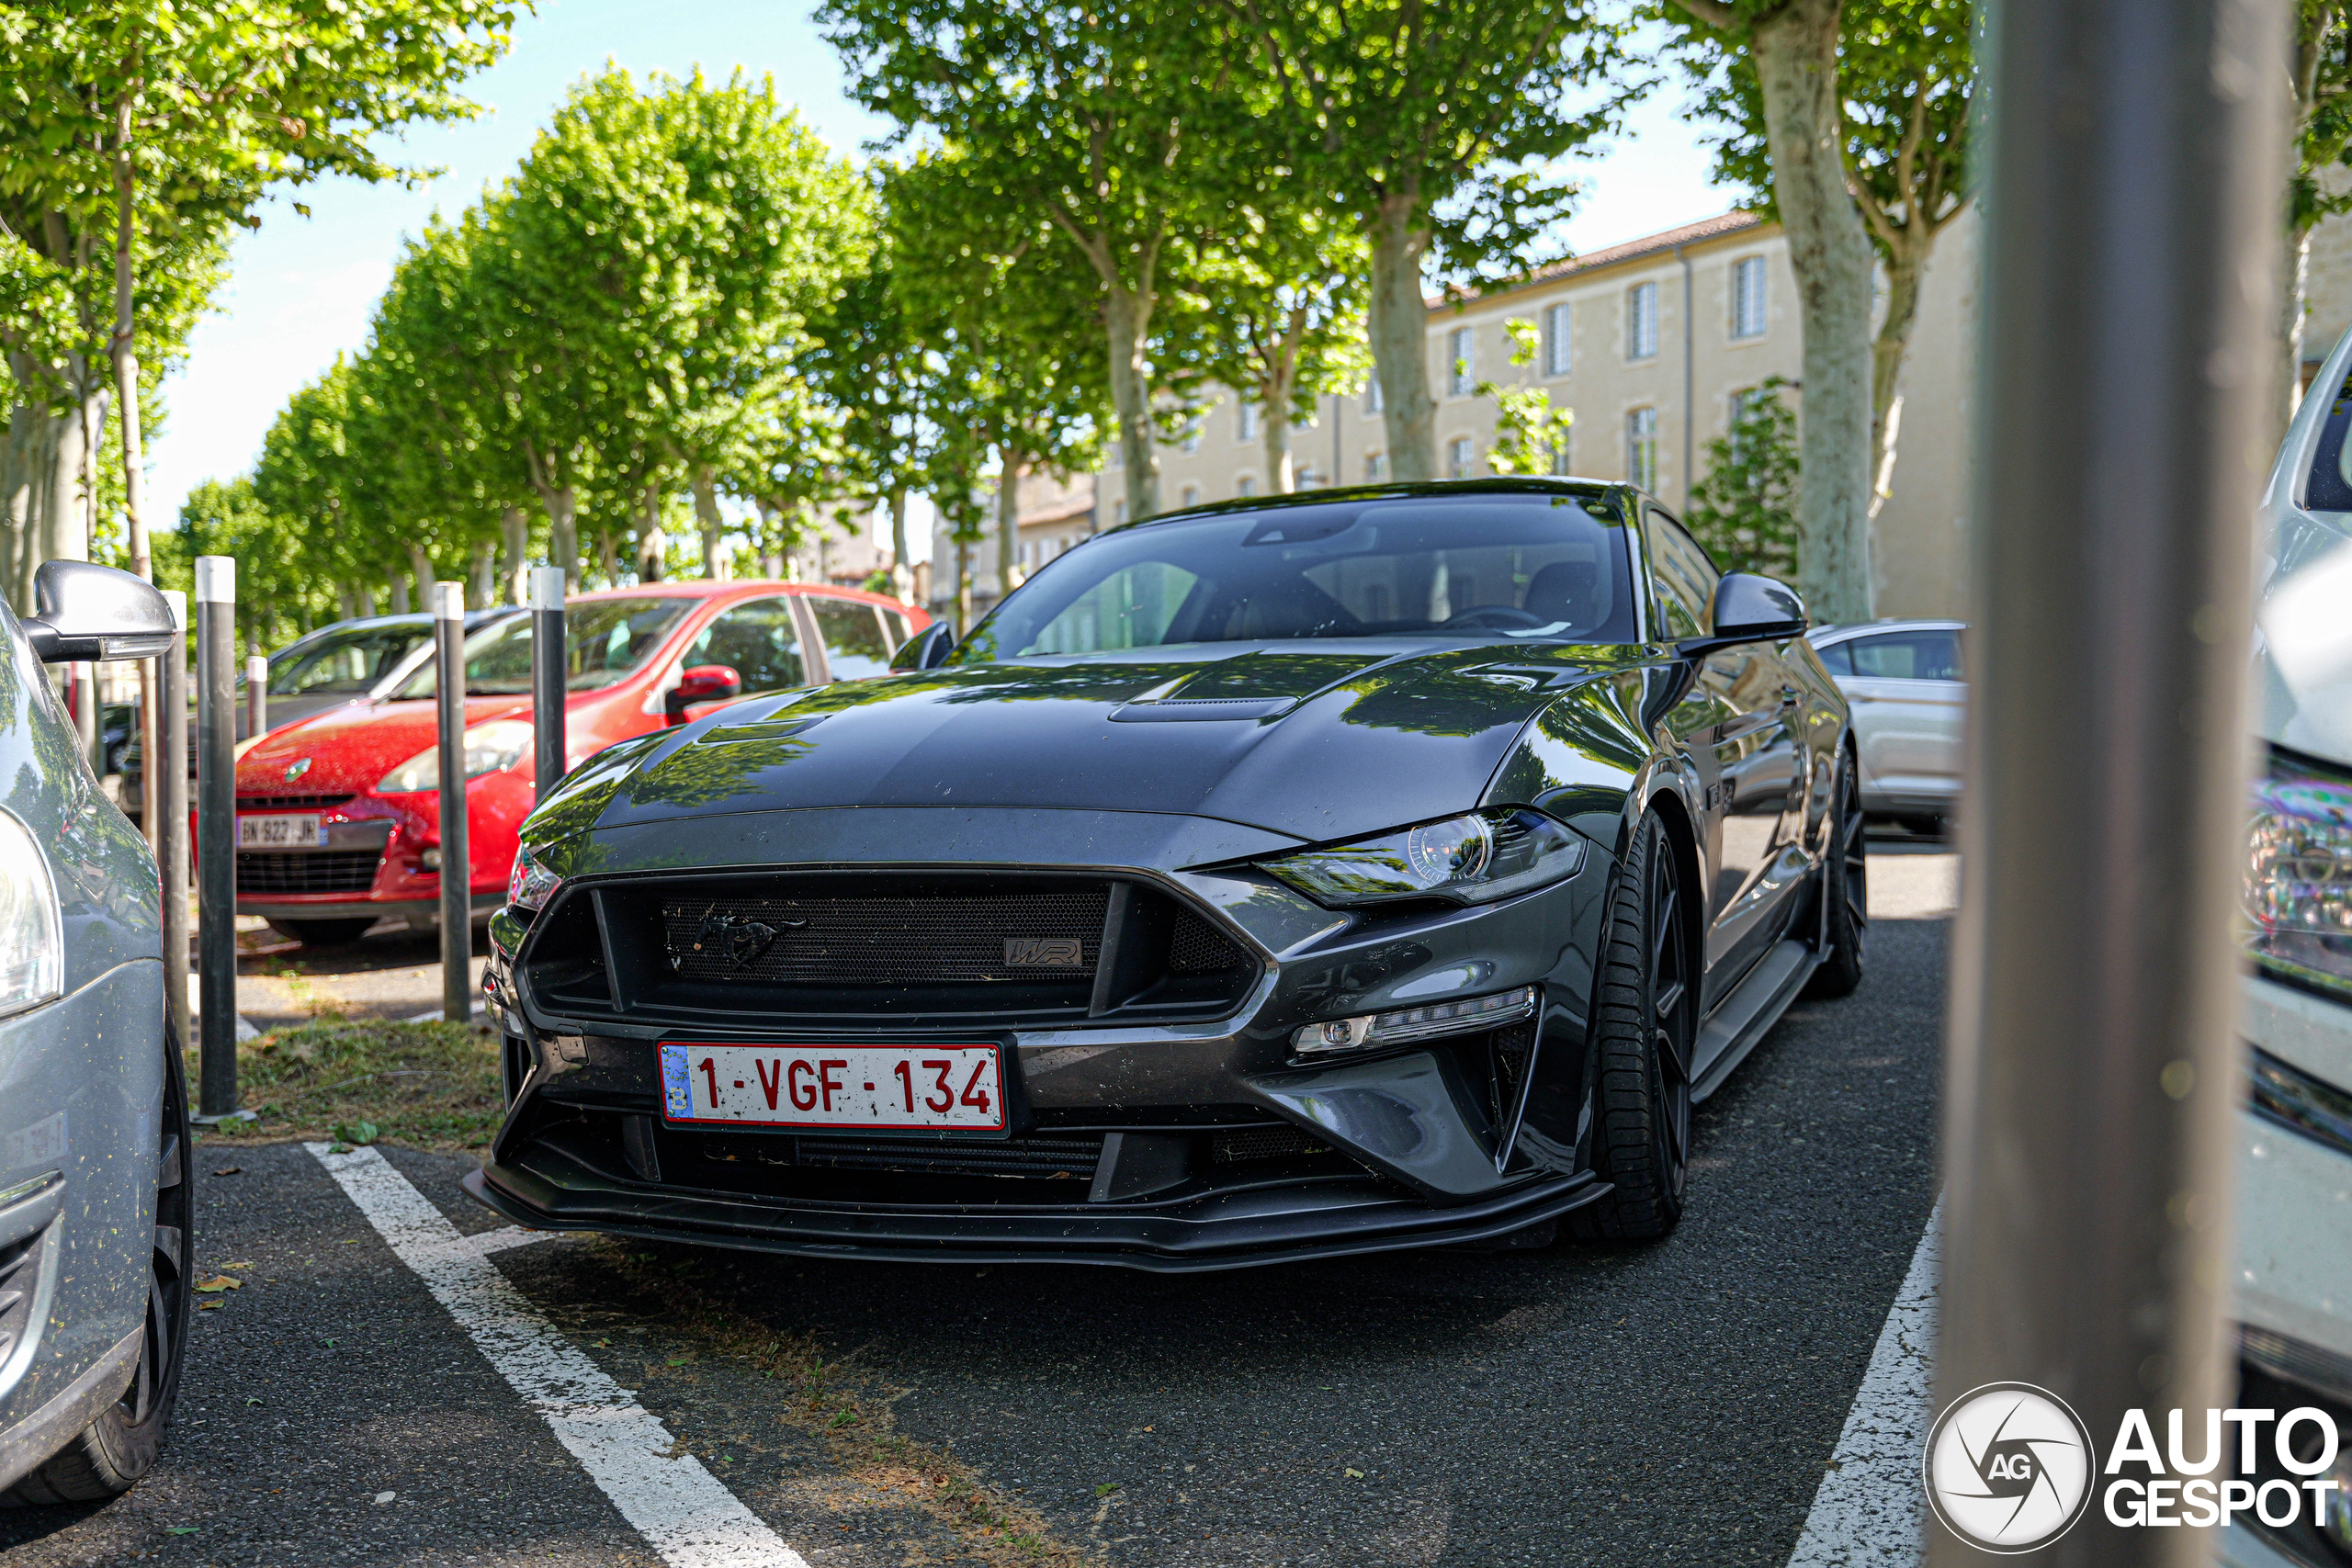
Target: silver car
[
  {"x": 1909, "y": 695},
  {"x": 95, "y": 1184}
]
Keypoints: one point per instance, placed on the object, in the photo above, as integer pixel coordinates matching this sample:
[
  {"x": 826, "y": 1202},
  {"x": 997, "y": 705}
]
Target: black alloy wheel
[
  {"x": 1844, "y": 890},
  {"x": 1646, "y": 1028},
  {"x": 114, "y": 1451}
]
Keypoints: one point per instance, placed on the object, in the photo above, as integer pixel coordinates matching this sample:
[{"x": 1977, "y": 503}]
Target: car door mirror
[
  {"x": 1750, "y": 608},
  {"x": 84, "y": 611},
  {"x": 701, "y": 683},
  {"x": 927, "y": 649}
]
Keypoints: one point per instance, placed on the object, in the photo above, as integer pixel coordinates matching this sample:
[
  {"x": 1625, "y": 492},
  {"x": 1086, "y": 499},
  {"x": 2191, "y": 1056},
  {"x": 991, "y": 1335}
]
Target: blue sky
[{"x": 301, "y": 290}]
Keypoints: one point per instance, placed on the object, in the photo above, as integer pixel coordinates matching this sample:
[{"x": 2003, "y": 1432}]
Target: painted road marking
[
  {"x": 677, "y": 1505},
  {"x": 1870, "y": 1511}
]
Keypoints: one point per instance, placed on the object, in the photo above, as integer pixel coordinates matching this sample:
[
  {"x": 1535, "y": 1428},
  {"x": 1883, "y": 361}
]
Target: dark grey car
[{"x": 94, "y": 1136}]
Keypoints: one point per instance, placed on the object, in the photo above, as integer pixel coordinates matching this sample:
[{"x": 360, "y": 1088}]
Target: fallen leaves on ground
[{"x": 220, "y": 1282}]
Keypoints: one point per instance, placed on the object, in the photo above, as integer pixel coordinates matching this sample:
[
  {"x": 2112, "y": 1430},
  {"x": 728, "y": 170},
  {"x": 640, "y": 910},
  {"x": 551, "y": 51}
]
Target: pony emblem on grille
[
  {"x": 1041, "y": 953},
  {"x": 743, "y": 941}
]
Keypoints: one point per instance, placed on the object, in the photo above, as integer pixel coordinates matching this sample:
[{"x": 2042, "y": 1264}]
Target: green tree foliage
[
  {"x": 1746, "y": 510},
  {"x": 2317, "y": 184},
  {"x": 1437, "y": 132},
  {"x": 1906, "y": 76},
  {"x": 1530, "y": 434}
]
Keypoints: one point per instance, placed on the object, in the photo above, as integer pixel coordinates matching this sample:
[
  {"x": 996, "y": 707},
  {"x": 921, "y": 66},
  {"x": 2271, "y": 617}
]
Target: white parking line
[
  {"x": 677, "y": 1505},
  {"x": 1870, "y": 1511}
]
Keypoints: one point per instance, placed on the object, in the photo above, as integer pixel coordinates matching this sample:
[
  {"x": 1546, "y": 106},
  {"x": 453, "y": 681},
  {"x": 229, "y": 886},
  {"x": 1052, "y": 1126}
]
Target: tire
[
  {"x": 1844, "y": 886},
  {"x": 114, "y": 1452},
  {"x": 1645, "y": 1025},
  {"x": 323, "y": 933}
]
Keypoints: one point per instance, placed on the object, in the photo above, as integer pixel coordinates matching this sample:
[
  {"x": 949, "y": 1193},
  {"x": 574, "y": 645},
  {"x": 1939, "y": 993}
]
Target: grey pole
[
  {"x": 257, "y": 695},
  {"x": 457, "y": 862},
  {"x": 548, "y": 688},
  {"x": 2134, "y": 177},
  {"x": 216, "y": 830},
  {"x": 172, "y": 839}
]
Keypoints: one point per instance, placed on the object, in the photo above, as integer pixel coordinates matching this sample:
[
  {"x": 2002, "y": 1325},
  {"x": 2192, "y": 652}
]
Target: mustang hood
[{"x": 1321, "y": 744}]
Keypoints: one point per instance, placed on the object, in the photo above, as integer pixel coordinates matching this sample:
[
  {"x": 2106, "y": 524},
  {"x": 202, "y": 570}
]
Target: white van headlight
[{"x": 2299, "y": 873}]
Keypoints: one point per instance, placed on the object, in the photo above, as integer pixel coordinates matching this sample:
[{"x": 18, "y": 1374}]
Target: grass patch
[{"x": 431, "y": 1086}]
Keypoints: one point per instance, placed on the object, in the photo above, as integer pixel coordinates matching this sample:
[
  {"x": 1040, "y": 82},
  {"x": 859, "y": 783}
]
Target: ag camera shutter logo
[{"x": 2010, "y": 1467}]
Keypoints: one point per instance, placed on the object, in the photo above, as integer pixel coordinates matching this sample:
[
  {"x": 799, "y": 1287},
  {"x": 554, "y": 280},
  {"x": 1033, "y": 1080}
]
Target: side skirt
[{"x": 1741, "y": 1018}]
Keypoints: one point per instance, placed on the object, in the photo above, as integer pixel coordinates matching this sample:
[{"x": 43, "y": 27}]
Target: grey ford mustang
[{"x": 1367, "y": 869}]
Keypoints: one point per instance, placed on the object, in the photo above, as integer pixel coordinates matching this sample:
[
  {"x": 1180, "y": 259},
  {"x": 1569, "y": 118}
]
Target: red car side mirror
[{"x": 701, "y": 683}]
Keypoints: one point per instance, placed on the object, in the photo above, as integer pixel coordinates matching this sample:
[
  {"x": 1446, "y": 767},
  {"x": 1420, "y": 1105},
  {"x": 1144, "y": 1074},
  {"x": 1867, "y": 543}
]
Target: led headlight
[
  {"x": 1363, "y": 1034},
  {"x": 1471, "y": 859},
  {"x": 32, "y": 934},
  {"x": 2299, "y": 873},
  {"x": 489, "y": 747},
  {"x": 530, "y": 884}
]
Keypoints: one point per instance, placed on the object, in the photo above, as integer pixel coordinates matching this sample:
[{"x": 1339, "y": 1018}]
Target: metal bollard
[
  {"x": 172, "y": 841},
  {"x": 256, "y": 696},
  {"x": 216, "y": 832},
  {"x": 547, "y": 687},
  {"x": 457, "y": 862}
]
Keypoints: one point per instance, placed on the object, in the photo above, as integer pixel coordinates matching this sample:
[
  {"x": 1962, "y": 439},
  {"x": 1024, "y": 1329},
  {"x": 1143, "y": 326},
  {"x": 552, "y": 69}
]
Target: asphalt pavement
[{"x": 1674, "y": 1402}]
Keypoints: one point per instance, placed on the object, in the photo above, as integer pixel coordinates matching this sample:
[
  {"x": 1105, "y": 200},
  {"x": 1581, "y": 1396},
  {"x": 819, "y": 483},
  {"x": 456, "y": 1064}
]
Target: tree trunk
[
  {"x": 1398, "y": 323},
  {"x": 963, "y": 586},
  {"x": 2293, "y": 306},
  {"x": 126, "y": 356},
  {"x": 419, "y": 567},
  {"x": 651, "y": 543},
  {"x": 1127, "y": 318},
  {"x": 608, "y": 555},
  {"x": 65, "y": 532},
  {"x": 1007, "y": 518},
  {"x": 903, "y": 577},
  {"x": 1282, "y": 477},
  {"x": 707, "y": 513},
  {"x": 398, "y": 585},
  {"x": 485, "y": 593},
  {"x": 1795, "y": 55},
  {"x": 515, "y": 529},
  {"x": 1903, "y": 274},
  {"x": 16, "y": 503}
]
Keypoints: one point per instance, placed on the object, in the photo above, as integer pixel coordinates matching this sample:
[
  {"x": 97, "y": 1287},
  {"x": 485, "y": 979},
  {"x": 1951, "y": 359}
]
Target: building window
[
  {"x": 1191, "y": 496},
  {"x": 1555, "y": 340},
  {"x": 1246, "y": 486},
  {"x": 1372, "y": 403},
  {"x": 1376, "y": 467},
  {"x": 1748, "y": 297},
  {"x": 1641, "y": 447},
  {"x": 1460, "y": 453},
  {"x": 1560, "y": 456},
  {"x": 1309, "y": 479},
  {"x": 1192, "y": 438},
  {"x": 1118, "y": 513},
  {"x": 1461, "y": 362},
  {"x": 1244, "y": 422},
  {"x": 1641, "y": 322}
]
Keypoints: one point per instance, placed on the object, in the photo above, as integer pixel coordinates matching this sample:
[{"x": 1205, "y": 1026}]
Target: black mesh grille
[
  {"x": 1197, "y": 947},
  {"x": 289, "y": 802},
  {"x": 945, "y": 937},
  {"x": 1069, "y": 1156},
  {"x": 19, "y": 1269},
  {"x": 307, "y": 871},
  {"x": 1262, "y": 1142}
]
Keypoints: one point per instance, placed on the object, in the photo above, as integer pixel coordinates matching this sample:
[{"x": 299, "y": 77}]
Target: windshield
[
  {"x": 604, "y": 641},
  {"x": 345, "y": 662},
  {"x": 1534, "y": 565}
]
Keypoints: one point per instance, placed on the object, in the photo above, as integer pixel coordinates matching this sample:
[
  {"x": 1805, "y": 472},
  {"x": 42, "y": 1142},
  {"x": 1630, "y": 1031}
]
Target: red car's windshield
[{"x": 604, "y": 641}]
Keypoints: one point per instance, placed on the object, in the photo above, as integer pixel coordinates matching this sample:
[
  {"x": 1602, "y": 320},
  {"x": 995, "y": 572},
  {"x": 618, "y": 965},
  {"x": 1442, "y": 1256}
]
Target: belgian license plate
[
  {"x": 948, "y": 1087},
  {"x": 301, "y": 830}
]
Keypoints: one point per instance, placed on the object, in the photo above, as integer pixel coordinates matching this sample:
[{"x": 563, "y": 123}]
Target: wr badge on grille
[
  {"x": 1034, "y": 953},
  {"x": 742, "y": 939}
]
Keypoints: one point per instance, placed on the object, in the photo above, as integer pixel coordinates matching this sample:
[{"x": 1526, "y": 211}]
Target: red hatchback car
[{"x": 338, "y": 815}]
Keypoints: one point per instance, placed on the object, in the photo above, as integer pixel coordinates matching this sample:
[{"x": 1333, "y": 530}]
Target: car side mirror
[
  {"x": 927, "y": 649},
  {"x": 84, "y": 611},
  {"x": 701, "y": 683},
  {"x": 1750, "y": 608}
]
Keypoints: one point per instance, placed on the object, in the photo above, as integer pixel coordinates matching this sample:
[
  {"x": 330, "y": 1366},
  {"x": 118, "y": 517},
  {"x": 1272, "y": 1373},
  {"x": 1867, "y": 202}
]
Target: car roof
[
  {"x": 1840, "y": 633},
  {"x": 1393, "y": 491}
]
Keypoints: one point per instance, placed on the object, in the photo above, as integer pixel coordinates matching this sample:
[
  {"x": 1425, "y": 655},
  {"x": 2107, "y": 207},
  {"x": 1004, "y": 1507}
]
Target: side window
[
  {"x": 757, "y": 641},
  {"x": 1686, "y": 578},
  {"x": 855, "y": 645},
  {"x": 1908, "y": 656},
  {"x": 1837, "y": 657},
  {"x": 2328, "y": 487}
]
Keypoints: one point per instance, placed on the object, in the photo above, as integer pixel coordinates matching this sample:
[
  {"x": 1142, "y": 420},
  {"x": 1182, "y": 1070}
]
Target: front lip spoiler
[{"x": 1076, "y": 1233}]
